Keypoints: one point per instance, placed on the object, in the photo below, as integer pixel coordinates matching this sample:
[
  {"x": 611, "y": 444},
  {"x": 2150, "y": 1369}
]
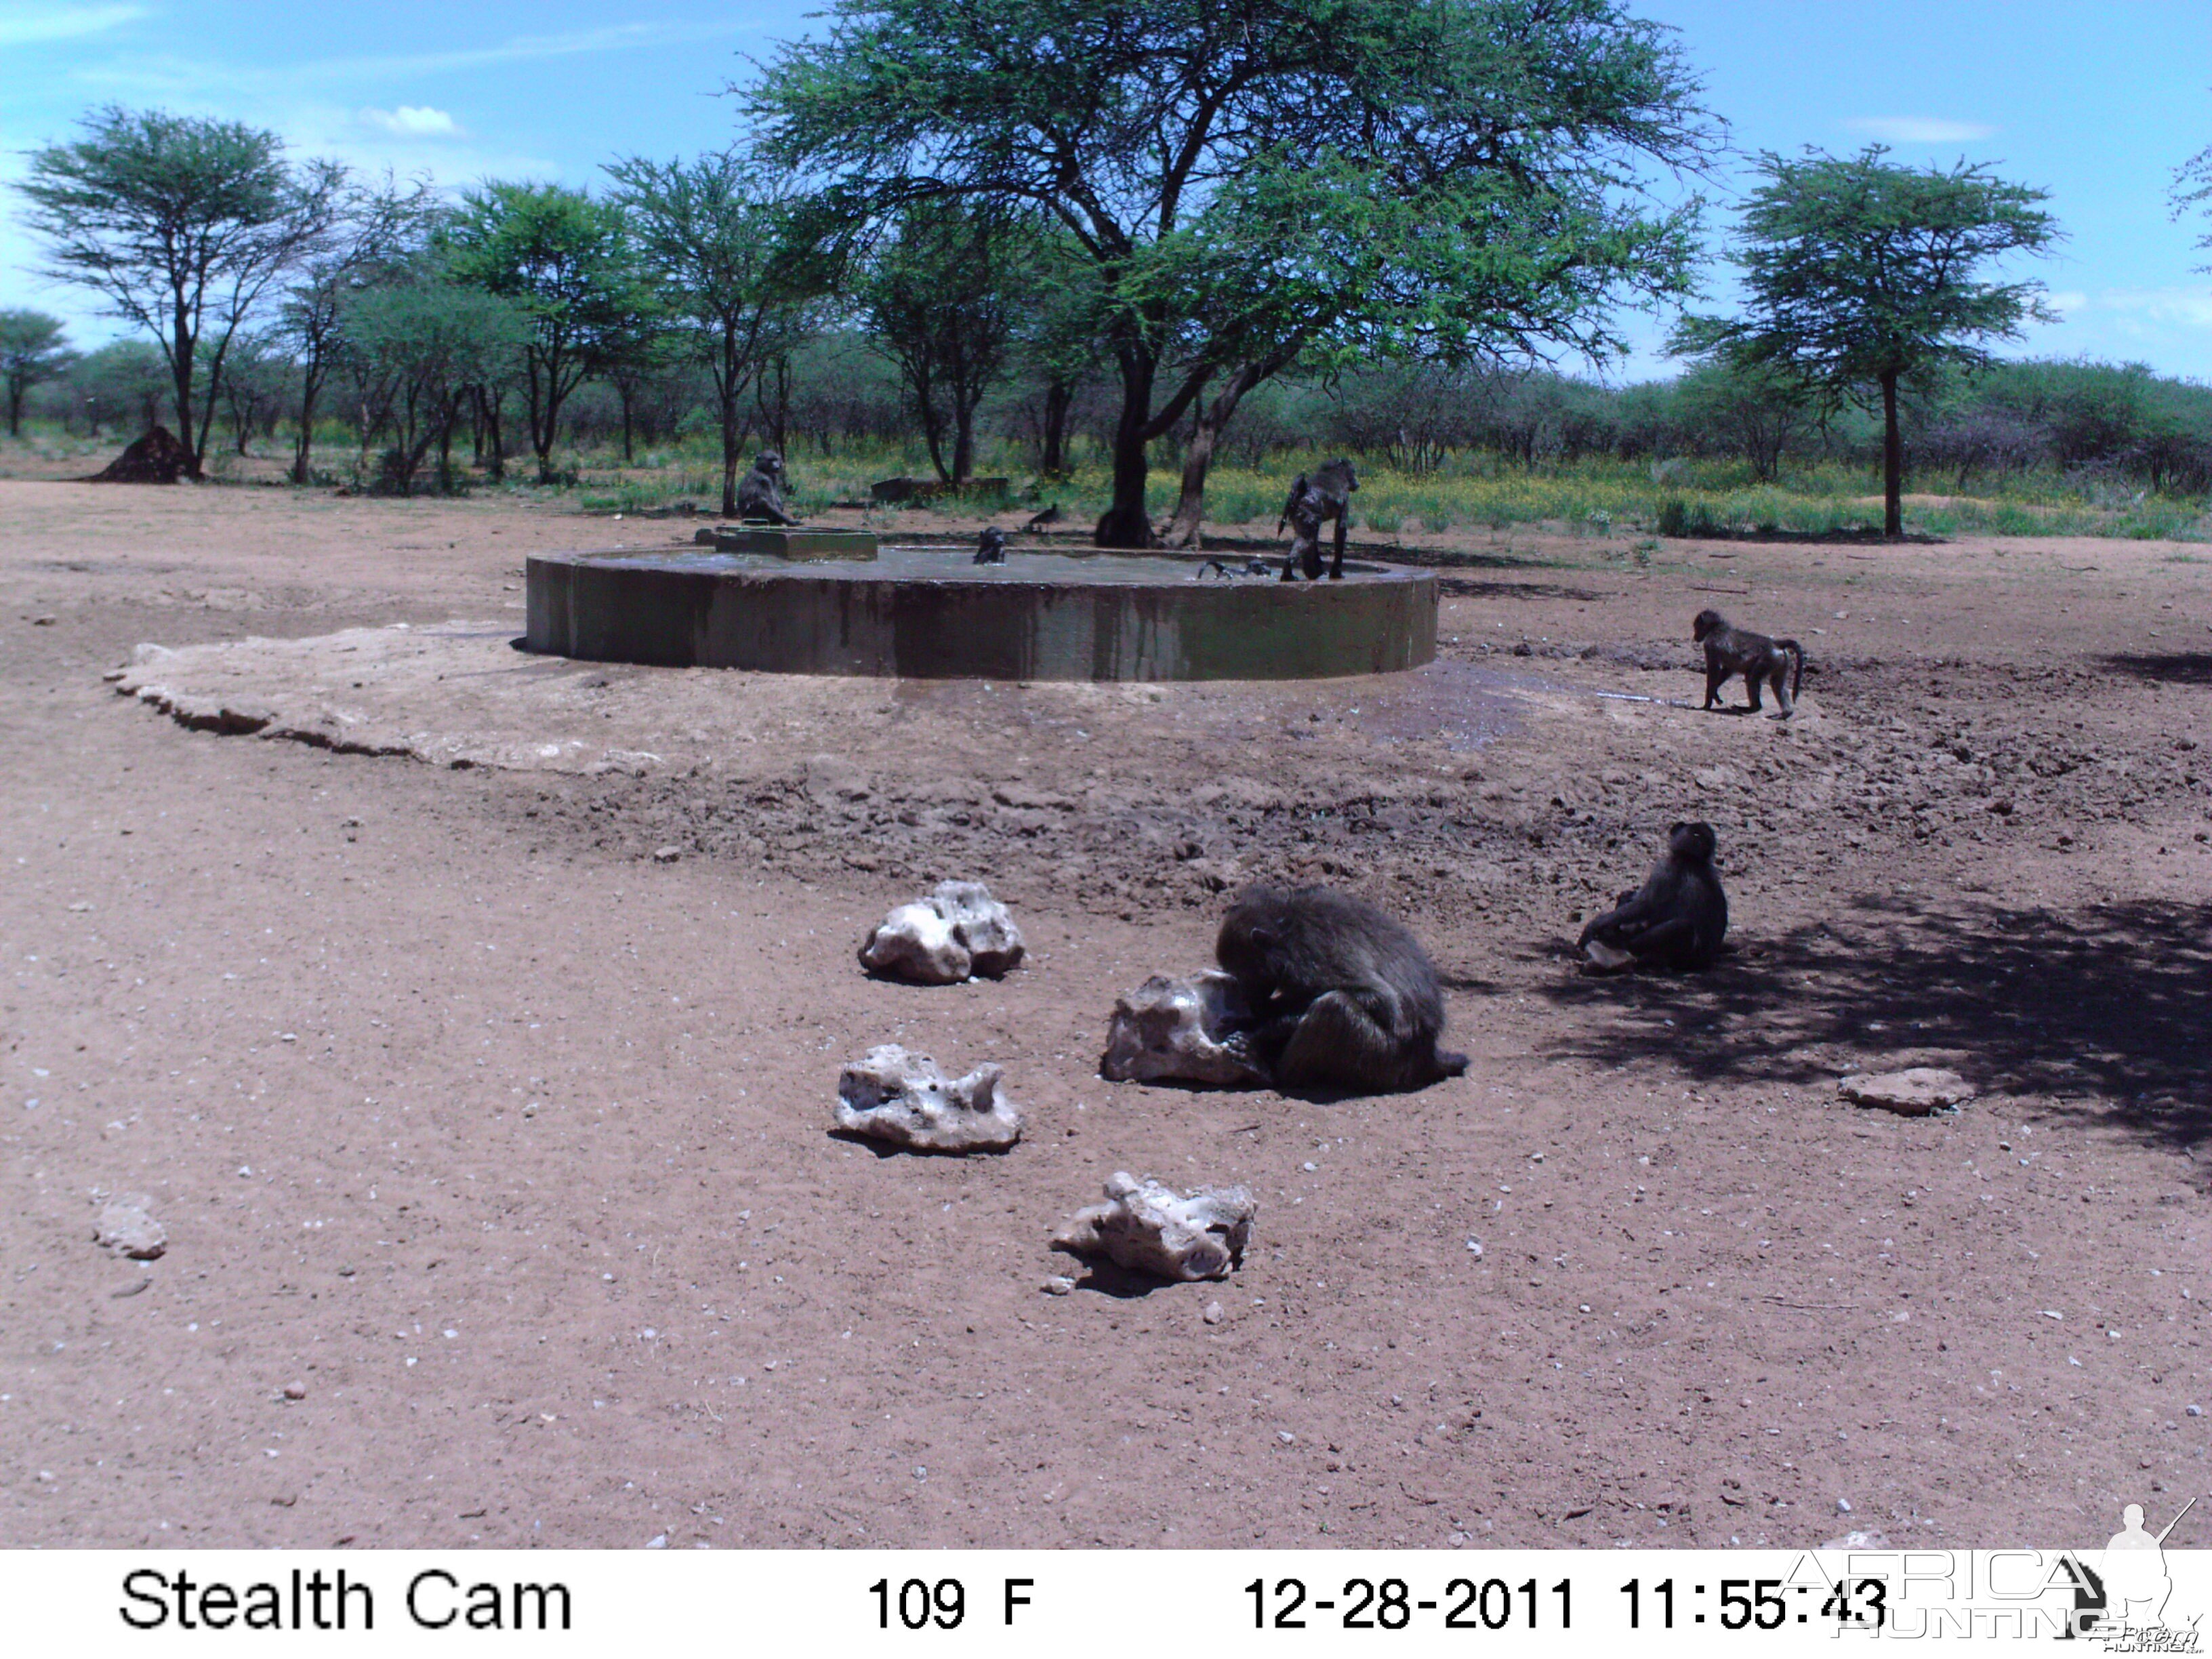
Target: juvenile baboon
[
  {"x": 1313, "y": 502},
  {"x": 1342, "y": 995},
  {"x": 1732, "y": 650},
  {"x": 990, "y": 546},
  {"x": 760, "y": 492},
  {"x": 1677, "y": 919}
]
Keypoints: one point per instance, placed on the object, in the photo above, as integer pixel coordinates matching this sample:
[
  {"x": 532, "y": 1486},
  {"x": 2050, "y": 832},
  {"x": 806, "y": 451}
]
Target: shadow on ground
[
  {"x": 2113, "y": 1000},
  {"x": 2167, "y": 668}
]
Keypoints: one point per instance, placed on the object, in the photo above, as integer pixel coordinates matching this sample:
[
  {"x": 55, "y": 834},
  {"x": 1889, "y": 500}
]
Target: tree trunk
[
  {"x": 1059, "y": 400},
  {"x": 1892, "y": 462},
  {"x": 14, "y": 409},
  {"x": 1125, "y": 522},
  {"x": 963, "y": 443},
  {"x": 492, "y": 411},
  {"x": 1205, "y": 423},
  {"x": 623, "y": 392},
  {"x": 180, "y": 370},
  {"x": 731, "y": 438}
]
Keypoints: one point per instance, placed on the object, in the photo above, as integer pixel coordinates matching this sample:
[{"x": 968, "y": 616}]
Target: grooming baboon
[
  {"x": 990, "y": 546},
  {"x": 1313, "y": 502},
  {"x": 760, "y": 492},
  {"x": 1343, "y": 996},
  {"x": 1677, "y": 919},
  {"x": 1732, "y": 650}
]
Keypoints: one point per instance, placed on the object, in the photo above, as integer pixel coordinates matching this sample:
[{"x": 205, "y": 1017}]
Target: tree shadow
[
  {"x": 2165, "y": 668},
  {"x": 1469, "y": 587},
  {"x": 2111, "y": 999}
]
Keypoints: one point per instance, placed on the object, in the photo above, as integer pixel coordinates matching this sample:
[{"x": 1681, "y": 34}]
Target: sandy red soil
[{"x": 505, "y": 1142}]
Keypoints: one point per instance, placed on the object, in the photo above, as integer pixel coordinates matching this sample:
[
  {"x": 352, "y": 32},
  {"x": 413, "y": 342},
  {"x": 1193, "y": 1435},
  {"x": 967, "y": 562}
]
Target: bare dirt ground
[{"x": 504, "y": 1142}]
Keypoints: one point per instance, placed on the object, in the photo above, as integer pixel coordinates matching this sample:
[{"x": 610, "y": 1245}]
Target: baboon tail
[{"x": 1797, "y": 665}]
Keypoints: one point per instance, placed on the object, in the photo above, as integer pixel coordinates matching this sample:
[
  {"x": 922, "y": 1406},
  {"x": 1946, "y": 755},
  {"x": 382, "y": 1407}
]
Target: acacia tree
[
  {"x": 566, "y": 261},
  {"x": 419, "y": 348},
  {"x": 1859, "y": 275},
  {"x": 1265, "y": 181},
  {"x": 180, "y": 224},
  {"x": 374, "y": 227},
  {"x": 31, "y": 351},
  {"x": 940, "y": 296},
  {"x": 715, "y": 236}
]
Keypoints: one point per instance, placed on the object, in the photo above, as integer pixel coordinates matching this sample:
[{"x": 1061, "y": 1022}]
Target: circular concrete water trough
[{"x": 930, "y": 613}]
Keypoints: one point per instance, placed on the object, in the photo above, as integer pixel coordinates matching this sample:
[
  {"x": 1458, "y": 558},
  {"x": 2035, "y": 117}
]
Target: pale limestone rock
[
  {"x": 959, "y": 932},
  {"x": 890, "y": 1095},
  {"x": 1147, "y": 1227},
  {"x": 1180, "y": 1029},
  {"x": 1914, "y": 1093},
  {"x": 126, "y": 1228},
  {"x": 1599, "y": 958}
]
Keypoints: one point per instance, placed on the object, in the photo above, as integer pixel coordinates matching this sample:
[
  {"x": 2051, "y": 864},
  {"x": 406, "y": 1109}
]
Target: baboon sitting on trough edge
[
  {"x": 1732, "y": 650},
  {"x": 760, "y": 492},
  {"x": 990, "y": 546},
  {"x": 1343, "y": 996},
  {"x": 1313, "y": 502},
  {"x": 1677, "y": 919}
]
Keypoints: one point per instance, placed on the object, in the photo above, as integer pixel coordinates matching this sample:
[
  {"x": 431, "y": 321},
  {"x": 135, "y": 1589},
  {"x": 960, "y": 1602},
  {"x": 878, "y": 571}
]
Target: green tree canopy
[
  {"x": 31, "y": 351},
  {"x": 1859, "y": 274},
  {"x": 940, "y": 296},
  {"x": 180, "y": 223},
  {"x": 420, "y": 348},
  {"x": 566, "y": 260},
  {"x": 1274, "y": 180},
  {"x": 715, "y": 236},
  {"x": 375, "y": 228}
]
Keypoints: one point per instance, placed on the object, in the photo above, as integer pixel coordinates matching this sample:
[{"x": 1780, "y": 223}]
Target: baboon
[
  {"x": 990, "y": 546},
  {"x": 1049, "y": 516},
  {"x": 1230, "y": 573},
  {"x": 1677, "y": 919},
  {"x": 1732, "y": 650},
  {"x": 1313, "y": 502},
  {"x": 1343, "y": 996},
  {"x": 760, "y": 492}
]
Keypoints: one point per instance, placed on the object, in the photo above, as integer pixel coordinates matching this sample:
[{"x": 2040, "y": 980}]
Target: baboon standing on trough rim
[
  {"x": 1677, "y": 919},
  {"x": 1344, "y": 996},
  {"x": 1313, "y": 502},
  {"x": 760, "y": 492},
  {"x": 1732, "y": 650}
]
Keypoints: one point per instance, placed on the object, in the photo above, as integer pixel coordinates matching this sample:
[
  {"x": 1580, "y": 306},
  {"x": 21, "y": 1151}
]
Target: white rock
[
  {"x": 1601, "y": 958},
  {"x": 126, "y": 1228},
  {"x": 890, "y": 1095},
  {"x": 957, "y": 933},
  {"x": 1183, "y": 1030},
  {"x": 1148, "y": 1227},
  {"x": 1914, "y": 1093}
]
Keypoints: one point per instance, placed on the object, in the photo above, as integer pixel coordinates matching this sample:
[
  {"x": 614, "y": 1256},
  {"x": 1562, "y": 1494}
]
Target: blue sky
[{"x": 2096, "y": 103}]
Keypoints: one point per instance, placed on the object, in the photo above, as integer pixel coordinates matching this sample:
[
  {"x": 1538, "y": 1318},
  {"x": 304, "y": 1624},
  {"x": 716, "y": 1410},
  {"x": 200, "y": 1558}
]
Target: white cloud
[
  {"x": 413, "y": 121},
  {"x": 2187, "y": 307},
  {"x": 23, "y": 26},
  {"x": 1920, "y": 130},
  {"x": 2066, "y": 300},
  {"x": 171, "y": 75}
]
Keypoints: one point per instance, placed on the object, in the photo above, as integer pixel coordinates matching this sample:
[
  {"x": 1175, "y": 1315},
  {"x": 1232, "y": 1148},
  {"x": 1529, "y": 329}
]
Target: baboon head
[
  {"x": 1708, "y": 621},
  {"x": 769, "y": 463},
  {"x": 1693, "y": 843}
]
